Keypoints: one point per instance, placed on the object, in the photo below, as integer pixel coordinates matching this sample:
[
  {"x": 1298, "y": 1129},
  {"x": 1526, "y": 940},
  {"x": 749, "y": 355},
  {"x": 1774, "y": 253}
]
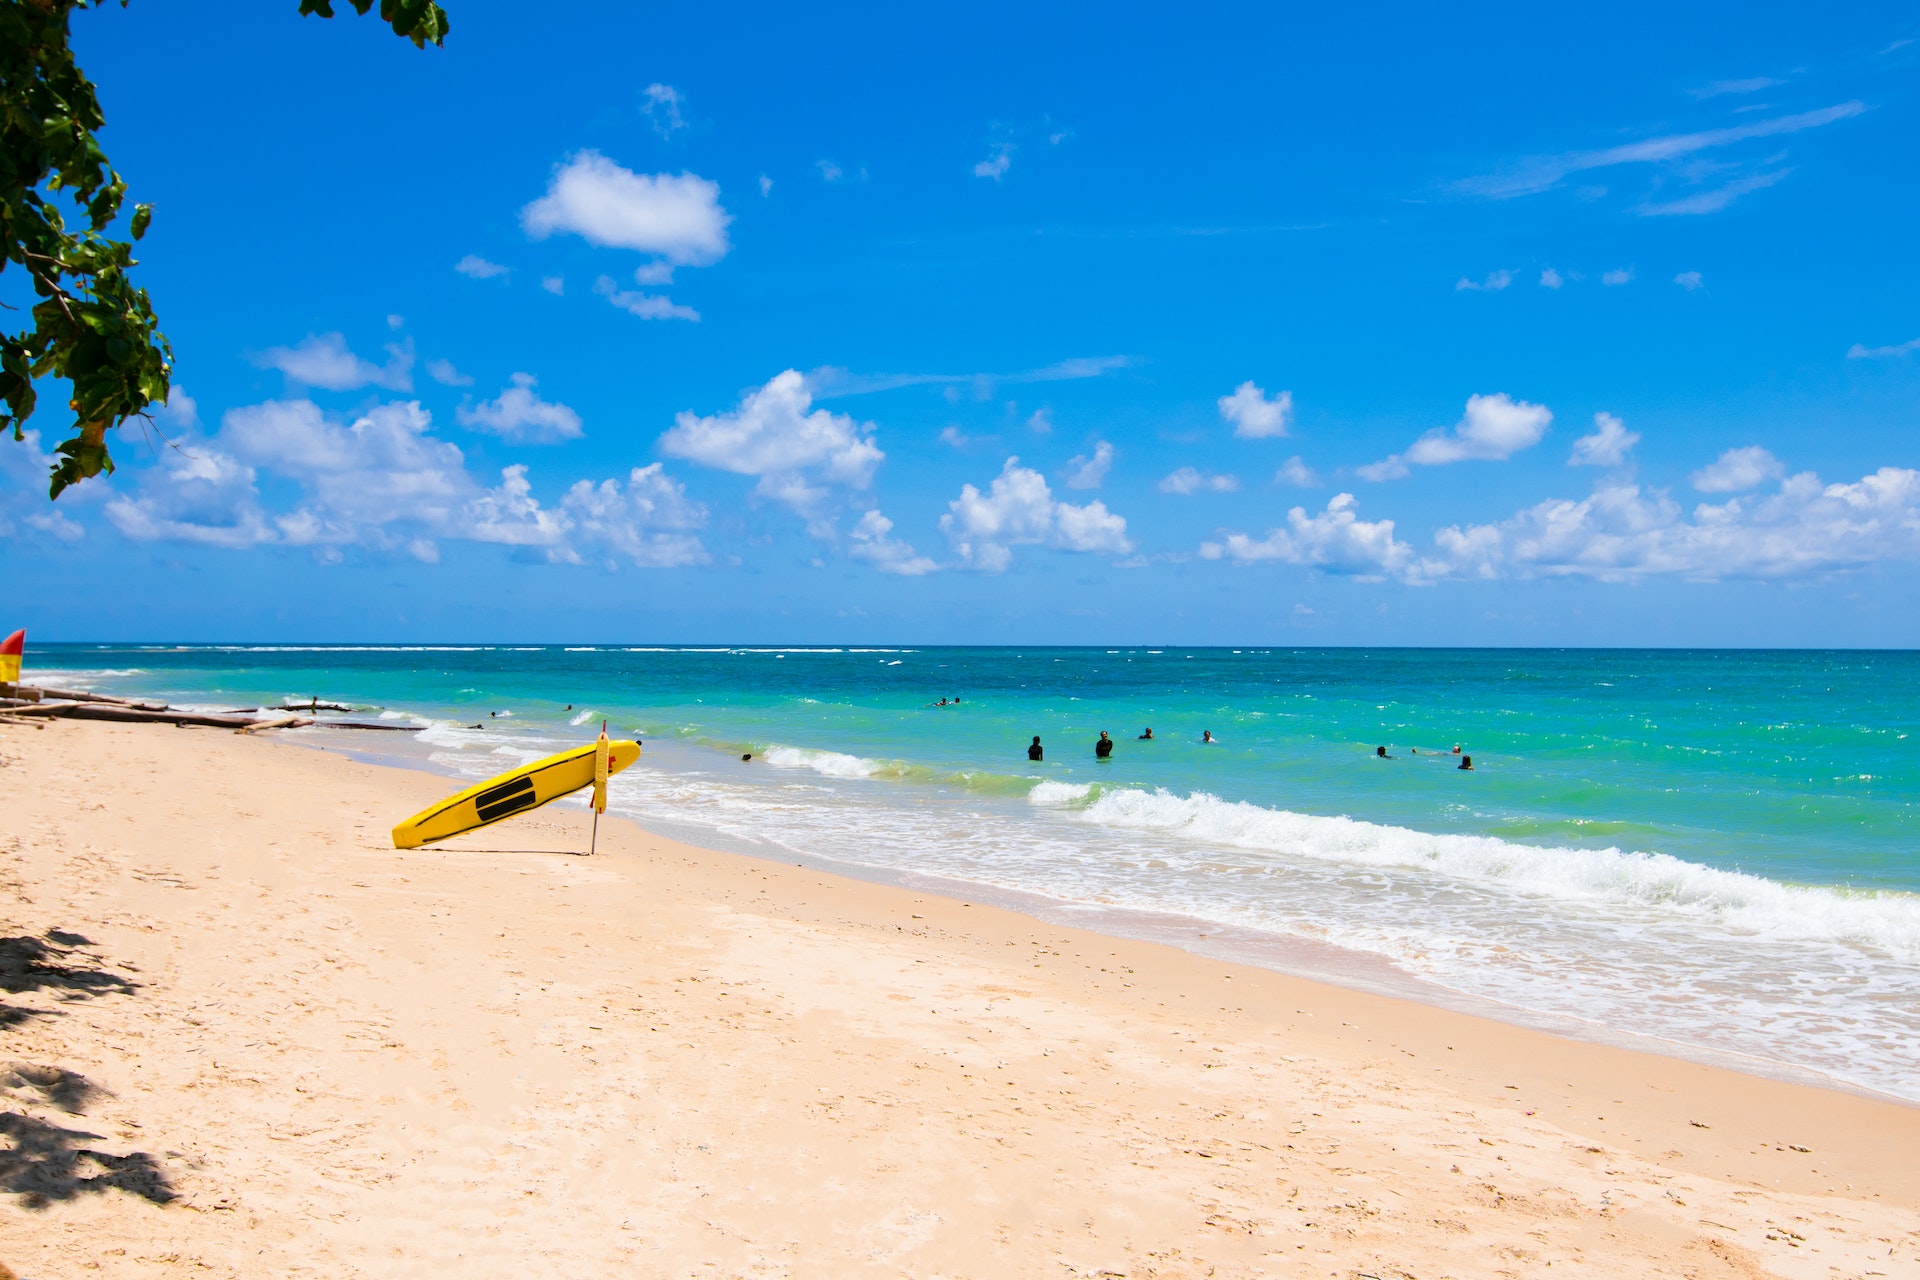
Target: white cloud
[
  {"x": 1618, "y": 276},
  {"x": 1254, "y": 417},
  {"x": 676, "y": 218},
  {"x": 1712, "y": 201},
  {"x": 444, "y": 373},
  {"x": 1495, "y": 281},
  {"x": 1858, "y": 352},
  {"x": 1296, "y": 473},
  {"x": 555, "y": 285},
  {"x": 386, "y": 483},
  {"x": 1608, "y": 446},
  {"x": 1551, "y": 279},
  {"x": 1622, "y": 533},
  {"x": 1493, "y": 429},
  {"x": 631, "y": 523},
  {"x": 1689, "y": 280},
  {"x": 1020, "y": 510},
  {"x": 831, "y": 380},
  {"x": 1738, "y": 470},
  {"x": 24, "y": 473},
  {"x": 1088, "y": 472},
  {"x": 518, "y": 413},
  {"x": 1543, "y": 173},
  {"x": 999, "y": 160},
  {"x": 648, "y": 306},
  {"x": 1190, "y": 480},
  {"x": 872, "y": 540},
  {"x": 1335, "y": 539},
  {"x": 662, "y": 109},
  {"x": 952, "y": 435},
  {"x": 325, "y": 361},
  {"x": 657, "y": 272},
  {"x": 1752, "y": 84},
  {"x": 179, "y": 411},
  {"x": 1040, "y": 421},
  {"x": 766, "y": 186},
  {"x": 829, "y": 171},
  {"x": 777, "y": 435},
  {"x": 478, "y": 268}
]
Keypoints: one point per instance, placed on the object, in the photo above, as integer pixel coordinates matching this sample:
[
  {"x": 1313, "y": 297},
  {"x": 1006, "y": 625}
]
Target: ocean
[{"x": 1714, "y": 854}]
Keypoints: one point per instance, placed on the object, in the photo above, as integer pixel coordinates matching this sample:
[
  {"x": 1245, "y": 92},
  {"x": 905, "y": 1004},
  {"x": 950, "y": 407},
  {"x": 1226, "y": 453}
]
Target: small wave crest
[
  {"x": 1059, "y": 793},
  {"x": 1746, "y": 903},
  {"x": 828, "y": 764},
  {"x": 583, "y": 717}
]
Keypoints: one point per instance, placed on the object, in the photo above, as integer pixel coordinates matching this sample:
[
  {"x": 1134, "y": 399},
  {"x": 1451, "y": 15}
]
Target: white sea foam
[
  {"x": 1059, "y": 792},
  {"x": 582, "y": 718},
  {"x": 830, "y": 764},
  {"x": 1734, "y": 900}
]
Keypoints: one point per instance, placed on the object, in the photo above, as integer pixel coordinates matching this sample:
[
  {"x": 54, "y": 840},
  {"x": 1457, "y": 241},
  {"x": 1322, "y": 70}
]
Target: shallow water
[{"x": 1714, "y": 848}]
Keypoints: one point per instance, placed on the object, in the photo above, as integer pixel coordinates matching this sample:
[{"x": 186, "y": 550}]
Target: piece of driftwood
[
  {"x": 362, "y": 724},
  {"x": 284, "y": 722},
  {"x": 132, "y": 715},
  {"x": 313, "y": 704},
  {"x": 18, "y": 692},
  {"x": 76, "y": 695},
  {"x": 7, "y": 719}
]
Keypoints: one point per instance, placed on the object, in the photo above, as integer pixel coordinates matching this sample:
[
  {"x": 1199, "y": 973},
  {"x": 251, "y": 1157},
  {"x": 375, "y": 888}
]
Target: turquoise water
[{"x": 1718, "y": 849}]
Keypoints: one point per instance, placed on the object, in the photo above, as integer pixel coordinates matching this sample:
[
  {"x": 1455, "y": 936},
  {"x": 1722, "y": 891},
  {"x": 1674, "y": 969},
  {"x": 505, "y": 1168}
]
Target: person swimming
[
  {"x": 1103, "y": 748},
  {"x": 1206, "y": 735},
  {"x": 1145, "y": 737},
  {"x": 1466, "y": 762},
  {"x": 1381, "y": 752},
  {"x": 1035, "y": 752}
]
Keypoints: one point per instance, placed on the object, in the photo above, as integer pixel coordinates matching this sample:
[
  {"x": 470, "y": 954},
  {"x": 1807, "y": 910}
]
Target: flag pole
[{"x": 602, "y": 766}]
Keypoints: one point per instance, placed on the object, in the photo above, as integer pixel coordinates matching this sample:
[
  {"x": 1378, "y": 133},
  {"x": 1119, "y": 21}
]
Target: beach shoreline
[{"x": 336, "y": 1058}]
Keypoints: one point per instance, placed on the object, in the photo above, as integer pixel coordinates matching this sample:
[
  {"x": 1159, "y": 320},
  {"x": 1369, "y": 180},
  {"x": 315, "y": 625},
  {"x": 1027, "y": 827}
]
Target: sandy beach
[{"x": 246, "y": 1037}]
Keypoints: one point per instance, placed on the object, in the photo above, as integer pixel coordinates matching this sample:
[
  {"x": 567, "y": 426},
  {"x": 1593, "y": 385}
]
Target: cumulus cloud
[
  {"x": 645, "y": 522},
  {"x": 1608, "y": 446},
  {"x": 1690, "y": 280},
  {"x": 999, "y": 160},
  {"x": 519, "y": 414},
  {"x": 325, "y": 361},
  {"x": 872, "y": 540},
  {"x": 446, "y": 374},
  {"x": 1335, "y": 540},
  {"x": 1089, "y": 471},
  {"x": 829, "y": 171},
  {"x": 675, "y": 218},
  {"x": 1859, "y": 352},
  {"x": 1020, "y": 510},
  {"x": 1738, "y": 470},
  {"x": 1493, "y": 429},
  {"x": 1623, "y": 533},
  {"x": 386, "y": 483},
  {"x": 1495, "y": 281},
  {"x": 1191, "y": 480},
  {"x": 776, "y": 434},
  {"x": 1551, "y": 279},
  {"x": 555, "y": 285},
  {"x": 1297, "y": 473},
  {"x": 478, "y": 268},
  {"x": 662, "y": 109},
  {"x": 648, "y": 306},
  {"x": 1253, "y": 415},
  {"x": 1616, "y": 277}
]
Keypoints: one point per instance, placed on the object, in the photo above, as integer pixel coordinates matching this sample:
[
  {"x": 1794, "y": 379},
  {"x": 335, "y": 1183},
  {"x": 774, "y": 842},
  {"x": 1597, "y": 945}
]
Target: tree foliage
[{"x": 90, "y": 323}]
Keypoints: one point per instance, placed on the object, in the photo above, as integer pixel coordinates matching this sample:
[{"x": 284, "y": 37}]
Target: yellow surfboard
[{"x": 516, "y": 791}]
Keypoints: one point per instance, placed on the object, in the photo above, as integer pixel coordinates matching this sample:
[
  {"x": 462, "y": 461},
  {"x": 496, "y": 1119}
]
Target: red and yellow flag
[
  {"x": 10, "y": 650},
  {"x": 602, "y": 758}
]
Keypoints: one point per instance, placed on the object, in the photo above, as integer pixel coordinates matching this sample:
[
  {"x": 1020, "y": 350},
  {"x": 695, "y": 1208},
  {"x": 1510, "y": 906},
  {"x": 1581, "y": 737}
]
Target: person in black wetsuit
[
  {"x": 1034, "y": 752},
  {"x": 1103, "y": 748},
  {"x": 1147, "y": 736}
]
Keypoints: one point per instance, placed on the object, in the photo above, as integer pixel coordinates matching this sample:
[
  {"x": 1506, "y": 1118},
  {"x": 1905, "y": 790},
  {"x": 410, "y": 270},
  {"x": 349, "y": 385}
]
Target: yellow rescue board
[{"x": 516, "y": 791}]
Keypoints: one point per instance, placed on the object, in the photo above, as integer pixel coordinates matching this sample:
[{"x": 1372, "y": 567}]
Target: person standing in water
[
  {"x": 1206, "y": 735},
  {"x": 1466, "y": 763},
  {"x": 1147, "y": 736},
  {"x": 1103, "y": 748},
  {"x": 1034, "y": 752}
]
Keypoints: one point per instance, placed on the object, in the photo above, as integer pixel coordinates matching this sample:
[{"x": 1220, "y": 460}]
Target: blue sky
[{"x": 1581, "y": 327}]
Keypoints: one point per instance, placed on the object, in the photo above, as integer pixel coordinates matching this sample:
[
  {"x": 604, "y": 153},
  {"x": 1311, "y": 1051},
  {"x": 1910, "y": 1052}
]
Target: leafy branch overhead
[{"x": 89, "y": 323}]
